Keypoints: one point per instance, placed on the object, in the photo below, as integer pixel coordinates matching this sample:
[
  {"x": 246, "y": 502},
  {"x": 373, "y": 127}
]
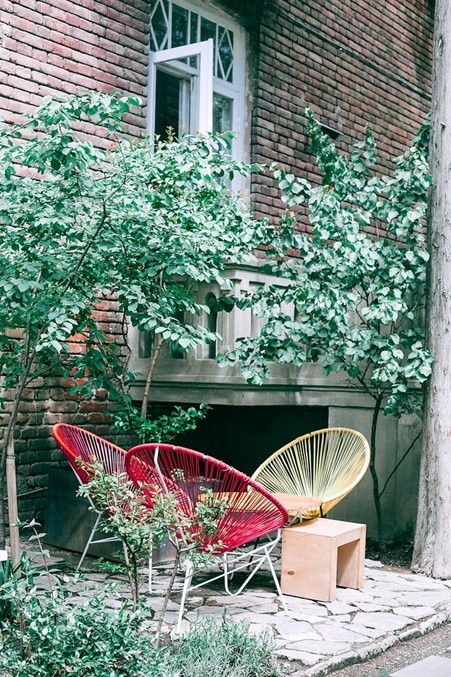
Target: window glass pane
[
  {"x": 159, "y": 25},
  {"x": 225, "y": 54},
  {"x": 167, "y": 104},
  {"x": 194, "y": 37},
  {"x": 207, "y": 31},
  {"x": 222, "y": 113},
  {"x": 179, "y": 26},
  {"x": 173, "y": 26},
  {"x": 194, "y": 27}
]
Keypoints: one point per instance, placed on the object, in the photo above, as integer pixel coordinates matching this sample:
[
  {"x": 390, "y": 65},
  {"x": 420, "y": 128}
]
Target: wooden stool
[{"x": 320, "y": 554}]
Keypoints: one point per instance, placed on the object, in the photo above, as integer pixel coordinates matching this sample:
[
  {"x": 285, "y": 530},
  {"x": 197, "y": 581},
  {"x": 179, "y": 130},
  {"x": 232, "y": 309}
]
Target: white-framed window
[{"x": 196, "y": 71}]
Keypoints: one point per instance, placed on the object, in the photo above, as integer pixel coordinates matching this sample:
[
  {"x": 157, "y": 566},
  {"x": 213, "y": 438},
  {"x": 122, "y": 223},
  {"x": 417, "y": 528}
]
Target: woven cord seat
[
  {"x": 327, "y": 463},
  {"x": 248, "y": 511}
]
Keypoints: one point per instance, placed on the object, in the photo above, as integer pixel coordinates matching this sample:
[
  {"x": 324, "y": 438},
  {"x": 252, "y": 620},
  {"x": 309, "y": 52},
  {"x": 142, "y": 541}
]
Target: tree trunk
[
  {"x": 432, "y": 550},
  {"x": 374, "y": 475}
]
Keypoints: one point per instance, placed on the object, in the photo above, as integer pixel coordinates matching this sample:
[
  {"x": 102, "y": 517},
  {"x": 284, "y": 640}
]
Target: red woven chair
[
  {"x": 80, "y": 445},
  {"x": 247, "y": 512}
]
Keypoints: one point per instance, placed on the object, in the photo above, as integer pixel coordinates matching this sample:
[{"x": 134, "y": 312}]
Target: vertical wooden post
[{"x": 13, "y": 514}]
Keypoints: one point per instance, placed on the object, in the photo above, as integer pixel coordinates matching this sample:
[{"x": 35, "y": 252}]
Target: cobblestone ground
[{"x": 361, "y": 629}]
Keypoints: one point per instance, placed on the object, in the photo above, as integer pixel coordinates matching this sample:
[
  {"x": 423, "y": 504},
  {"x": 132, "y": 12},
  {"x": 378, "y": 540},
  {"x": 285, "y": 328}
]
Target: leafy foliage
[
  {"x": 79, "y": 220},
  {"x": 58, "y": 633},
  {"x": 141, "y": 524},
  {"x": 352, "y": 295},
  {"x": 59, "y": 625},
  {"x": 161, "y": 428},
  {"x": 117, "y": 221}
]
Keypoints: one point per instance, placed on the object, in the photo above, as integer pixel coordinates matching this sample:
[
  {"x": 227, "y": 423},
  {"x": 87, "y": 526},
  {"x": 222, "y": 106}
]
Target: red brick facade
[
  {"x": 354, "y": 63},
  {"x": 58, "y": 47},
  {"x": 365, "y": 62}
]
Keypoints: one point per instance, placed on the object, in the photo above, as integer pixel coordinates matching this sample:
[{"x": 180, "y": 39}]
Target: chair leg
[
  {"x": 276, "y": 583},
  {"x": 186, "y": 586},
  {"x": 259, "y": 554},
  {"x": 89, "y": 541},
  {"x": 150, "y": 570}
]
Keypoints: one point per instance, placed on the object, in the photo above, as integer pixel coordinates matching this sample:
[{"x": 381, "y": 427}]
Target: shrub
[
  {"x": 234, "y": 652},
  {"x": 57, "y": 632}
]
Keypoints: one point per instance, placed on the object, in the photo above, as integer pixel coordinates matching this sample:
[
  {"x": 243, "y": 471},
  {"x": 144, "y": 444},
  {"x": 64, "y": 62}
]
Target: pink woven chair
[
  {"x": 80, "y": 445},
  {"x": 248, "y": 511}
]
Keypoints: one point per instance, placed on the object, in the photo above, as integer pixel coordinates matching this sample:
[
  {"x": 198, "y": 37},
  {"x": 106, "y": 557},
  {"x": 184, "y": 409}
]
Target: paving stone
[
  {"x": 299, "y": 603},
  {"x": 302, "y": 656},
  {"x": 385, "y": 600},
  {"x": 324, "y": 648},
  {"x": 288, "y": 638},
  {"x": 317, "y": 612},
  {"x": 371, "y": 633},
  {"x": 380, "y": 620},
  {"x": 414, "y": 612},
  {"x": 194, "y": 602},
  {"x": 295, "y": 630},
  {"x": 339, "y": 608},
  {"x": 266, "y": 608},
  {"x": 373, "y": 563},
  {"x": 262, "y": 619},
  {"x": 371, "y": 606},
  {"x": 205, "y": 611},
  {"x": 425, "y": 598},
  {"x": 345, "y": 618},
  {"x": 349, "y": 595},
  {"x": 157, "y": 605},
  {"x": 340, "y": 633}
]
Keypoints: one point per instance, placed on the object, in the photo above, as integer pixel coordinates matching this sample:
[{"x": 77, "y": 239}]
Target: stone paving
[{"x": 317, "y": 637}]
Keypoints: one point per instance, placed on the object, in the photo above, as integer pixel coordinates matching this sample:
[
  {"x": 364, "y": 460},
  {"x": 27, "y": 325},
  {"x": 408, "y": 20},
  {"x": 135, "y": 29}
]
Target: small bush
[
  {"x": 213, "y": 648},
  {"x": 56, "y": 633},
  {"x": 55, "y": 626}
]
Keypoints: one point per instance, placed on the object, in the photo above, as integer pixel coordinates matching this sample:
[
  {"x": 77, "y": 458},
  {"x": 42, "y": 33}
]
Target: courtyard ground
[{"x": 398, "y": 618}]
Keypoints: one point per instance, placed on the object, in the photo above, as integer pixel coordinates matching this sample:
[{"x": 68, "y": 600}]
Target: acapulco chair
[
  {"x": 327, "y": 463},
  {"x": 82, "y": 448},
  {"x": 246, "y": 511}
]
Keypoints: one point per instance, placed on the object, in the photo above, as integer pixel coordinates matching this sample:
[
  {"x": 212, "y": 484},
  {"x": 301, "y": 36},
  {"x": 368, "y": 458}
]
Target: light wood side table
[{"x": 321, "y": 554}]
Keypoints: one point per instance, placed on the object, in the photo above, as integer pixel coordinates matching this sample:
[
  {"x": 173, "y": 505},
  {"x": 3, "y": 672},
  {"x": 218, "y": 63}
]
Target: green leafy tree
[
  {"x": 117, "y": 220},
  {"x": 351, "y": 293}
]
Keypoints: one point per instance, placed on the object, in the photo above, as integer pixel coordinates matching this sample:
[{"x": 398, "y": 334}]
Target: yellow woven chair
[{"x": 326, "y": 464}]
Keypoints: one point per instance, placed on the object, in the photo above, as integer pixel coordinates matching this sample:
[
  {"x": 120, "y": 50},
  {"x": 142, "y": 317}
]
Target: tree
[
  {"x": 118, "y": 220},
  {"x": 432, "y": 550},
  {"x": 351, "y": 293}
]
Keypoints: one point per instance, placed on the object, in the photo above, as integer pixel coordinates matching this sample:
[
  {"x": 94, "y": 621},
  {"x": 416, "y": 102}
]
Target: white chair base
[{"x": 232, "y": 562}]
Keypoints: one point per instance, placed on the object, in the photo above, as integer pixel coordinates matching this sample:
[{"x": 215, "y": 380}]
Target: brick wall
[
  {"x": 359, "y": 63},
  {"x": 54, "y": 47},
  {"x": 46, "y": 402}
]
